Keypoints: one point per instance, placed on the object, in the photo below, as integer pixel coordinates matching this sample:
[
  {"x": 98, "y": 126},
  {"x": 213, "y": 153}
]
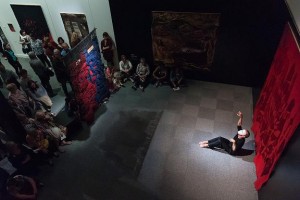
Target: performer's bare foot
[{"x": 203, "y": 144}]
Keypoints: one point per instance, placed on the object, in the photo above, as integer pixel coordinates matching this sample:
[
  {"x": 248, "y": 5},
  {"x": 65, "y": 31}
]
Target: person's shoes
[
  {"x": 156, "y": 84},
  {"x": 176, "y": 88},
  {"x": 122, "y": 85},
  {"x": 125, "y": 79},
  {"x": 133, "y": 87},
  {"x": 131, "y": 79}
]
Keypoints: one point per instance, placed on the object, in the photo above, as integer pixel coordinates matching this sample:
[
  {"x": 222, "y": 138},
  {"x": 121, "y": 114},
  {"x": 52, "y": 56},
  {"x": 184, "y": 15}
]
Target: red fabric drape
[{"x": 277, "y": 112}]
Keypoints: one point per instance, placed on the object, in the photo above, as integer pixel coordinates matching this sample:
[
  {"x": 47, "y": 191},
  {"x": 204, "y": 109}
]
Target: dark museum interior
[{"x": 117, "y": 99}]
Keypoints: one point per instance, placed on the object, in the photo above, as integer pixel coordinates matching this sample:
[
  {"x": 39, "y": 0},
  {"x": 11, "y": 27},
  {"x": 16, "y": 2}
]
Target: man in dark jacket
[
  {"x": 60, "y": 70},
  {"x": 41, "y": 71}
]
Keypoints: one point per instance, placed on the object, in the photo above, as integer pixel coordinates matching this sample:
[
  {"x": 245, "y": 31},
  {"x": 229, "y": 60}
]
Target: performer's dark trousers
[{"x": 221, "y": 143}]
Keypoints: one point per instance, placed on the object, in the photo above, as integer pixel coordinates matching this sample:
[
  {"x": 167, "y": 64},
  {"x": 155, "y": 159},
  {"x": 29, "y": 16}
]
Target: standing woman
[
  {"x": 37, "y": 48},
  {"x": 74, "y": 39},
  {"x": 25, "y": 41},
  {"x": 107, "y": 49},
  {"x": 12, "y": 59},
  {"x": 60, "y": 41}
]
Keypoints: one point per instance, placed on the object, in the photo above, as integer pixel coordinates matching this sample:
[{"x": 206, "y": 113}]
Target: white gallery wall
[
  {"x": 294, "y": 6},
  {"x": 97, "y": 13}
]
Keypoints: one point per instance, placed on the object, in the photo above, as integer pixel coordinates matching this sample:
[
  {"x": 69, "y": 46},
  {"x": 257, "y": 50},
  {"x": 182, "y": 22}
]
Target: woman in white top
[
  {"x": 125, "y": 68},
  {"x": 25, "y": 41}
]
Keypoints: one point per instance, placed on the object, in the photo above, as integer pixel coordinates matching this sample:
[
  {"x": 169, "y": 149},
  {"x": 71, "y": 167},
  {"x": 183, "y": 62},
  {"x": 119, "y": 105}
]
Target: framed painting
[
  {"x": 31, "y": 19},
  {"x": 75, "y": 23}
]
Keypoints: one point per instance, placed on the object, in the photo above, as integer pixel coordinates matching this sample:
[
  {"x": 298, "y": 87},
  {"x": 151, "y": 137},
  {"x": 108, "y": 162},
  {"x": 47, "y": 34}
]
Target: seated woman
[
  {"x": 176, "y": 78},
  {"x": 21, "y": 159},
  {"x": 39, "y": 93},
  {"x": 113, "y": 79},
  {"x": 125, "y": 68},
  {"x": 22, "y": 187},
  {"x": 142, "y": 72},
  {"x": 40, "y": 144},
  {"x": 45, "y": 122},
  {"x": 18, "y": 97},
  {"x": 160, "y": 74}
]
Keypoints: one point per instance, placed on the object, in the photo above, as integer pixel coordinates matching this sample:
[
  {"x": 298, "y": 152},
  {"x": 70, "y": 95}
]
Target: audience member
[
  {"x": 74, "y": 39},
  {"x": 22, "y": 187},
  {"x": 176, "y": 78},
  {"x": 25, "y": 42},
  {"x": 60, "y": 41},
  {"x": 65, "y": 49},
  {"x": 61, "y": 71},
  {"x": 21, "y": 159},
  {"x": 46, "y": 123},
  {"x": 24, "y": 80},
  {"x": 2, "y": 49},
  {"x": 109, "y": 74},
  {"x": 12, "y": 59},
  {"x": 160, "y": 74},
  {"x": 107, "y": 49},
  {"x": 125, "y": 68},
  {"x": 49, "y": 46},
  {"x": 142, "y": 72},
  {"x": 37, "y": 48},
  {"x": 39, "y": 93},
  {"x": 41, "y": 71},
  {"x": 40, "y": 144},
  {"x": 19, "y": 98},
  {"x": 8, "y": 76}
]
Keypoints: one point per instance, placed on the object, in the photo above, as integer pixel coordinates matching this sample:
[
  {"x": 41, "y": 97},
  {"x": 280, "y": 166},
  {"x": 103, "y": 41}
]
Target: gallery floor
[{"x": 175, "y": 167}]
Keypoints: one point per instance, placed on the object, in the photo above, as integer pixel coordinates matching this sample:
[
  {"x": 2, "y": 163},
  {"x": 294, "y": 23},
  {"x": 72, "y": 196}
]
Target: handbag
[{"x": 49, "y": 71}]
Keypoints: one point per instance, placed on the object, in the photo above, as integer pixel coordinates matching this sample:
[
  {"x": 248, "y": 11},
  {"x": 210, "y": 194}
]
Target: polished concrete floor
[{"x": 175, "y": 167}]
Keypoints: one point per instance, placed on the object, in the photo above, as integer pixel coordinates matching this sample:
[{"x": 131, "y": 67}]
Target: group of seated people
[
  {"x": 141, "y": 75},
  {"x": 21, "y": 159}
]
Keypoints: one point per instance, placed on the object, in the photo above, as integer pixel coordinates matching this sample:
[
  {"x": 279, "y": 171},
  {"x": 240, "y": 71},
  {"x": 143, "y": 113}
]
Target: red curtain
[{"x": 277, "y": 112}]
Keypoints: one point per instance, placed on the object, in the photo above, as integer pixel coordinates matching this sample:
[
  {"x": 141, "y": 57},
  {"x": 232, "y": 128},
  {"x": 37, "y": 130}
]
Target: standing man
[
  {"x": 41, "y": 71},
  {"x": 230, "y": 146},
  {"x": 8, "y": 76},
  {"x": 60, "y": 70}
]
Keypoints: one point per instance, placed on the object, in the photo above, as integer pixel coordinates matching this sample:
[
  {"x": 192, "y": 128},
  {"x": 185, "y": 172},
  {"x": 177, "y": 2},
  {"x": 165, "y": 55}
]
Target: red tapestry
[{"x": 276, "y": 114}]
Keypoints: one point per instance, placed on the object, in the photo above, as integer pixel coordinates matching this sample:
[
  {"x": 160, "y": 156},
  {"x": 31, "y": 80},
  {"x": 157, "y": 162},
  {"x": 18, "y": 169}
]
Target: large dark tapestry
[
  {"x": 32, "y": 20},
  {"x": 87, "y": 76},
  {"x": 185, "y": 39},
  {"x": 277, "y": 112}
]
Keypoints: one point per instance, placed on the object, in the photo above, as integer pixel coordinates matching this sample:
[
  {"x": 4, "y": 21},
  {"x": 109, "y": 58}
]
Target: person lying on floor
[{"x": 230, "y": 146}]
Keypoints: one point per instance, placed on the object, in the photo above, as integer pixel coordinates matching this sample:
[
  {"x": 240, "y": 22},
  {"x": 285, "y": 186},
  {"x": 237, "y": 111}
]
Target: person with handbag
[
  {"x": 25, "y": 42},
  {"x": 42, "y": 72}
]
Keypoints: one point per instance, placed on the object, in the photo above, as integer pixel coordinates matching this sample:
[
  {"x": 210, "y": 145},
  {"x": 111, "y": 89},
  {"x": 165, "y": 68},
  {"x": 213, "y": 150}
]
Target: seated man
[
  {"x": 176, "y": 78},
  {"x": 125, "y": 68},
  {"x": 160, "y": 74},
  {"x": 230, "y": 146},
  {"x": 142, "y": 72}
]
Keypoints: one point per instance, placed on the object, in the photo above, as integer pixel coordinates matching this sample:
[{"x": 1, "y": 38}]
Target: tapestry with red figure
[
  {"x": 276, "y": 114},
  {"x": 87, "y": 76}
]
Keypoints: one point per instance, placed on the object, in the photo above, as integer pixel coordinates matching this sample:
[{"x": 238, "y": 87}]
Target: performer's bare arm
[{"x": 240, "y": 121}]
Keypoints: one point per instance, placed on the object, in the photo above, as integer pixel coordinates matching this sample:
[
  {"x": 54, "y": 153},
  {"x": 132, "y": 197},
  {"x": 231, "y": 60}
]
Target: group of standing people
[{"x": 31, "y": 103}]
